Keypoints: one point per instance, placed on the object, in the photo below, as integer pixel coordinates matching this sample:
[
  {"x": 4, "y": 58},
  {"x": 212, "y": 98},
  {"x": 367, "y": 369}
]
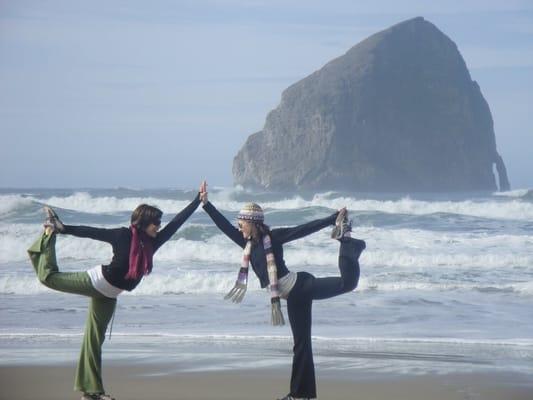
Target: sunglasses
[{"x": 241, "y": 223}]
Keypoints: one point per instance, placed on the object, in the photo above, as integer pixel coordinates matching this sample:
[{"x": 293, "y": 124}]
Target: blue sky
[{"x": 164, "y": 93}]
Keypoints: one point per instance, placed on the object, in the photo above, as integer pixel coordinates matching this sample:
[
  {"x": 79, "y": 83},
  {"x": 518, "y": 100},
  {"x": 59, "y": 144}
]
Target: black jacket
[
  {"x": 120, "y": 240},
  {"x": 278, "y": 236}
]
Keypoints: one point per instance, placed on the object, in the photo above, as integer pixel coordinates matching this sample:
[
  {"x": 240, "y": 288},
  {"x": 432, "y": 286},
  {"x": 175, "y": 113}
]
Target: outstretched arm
[
  {"x": 284, "y": 235},
  {"x": 224, "y": 225},
  {"x": 102, "y": 234},
  {"x": 166, "y": 233}
]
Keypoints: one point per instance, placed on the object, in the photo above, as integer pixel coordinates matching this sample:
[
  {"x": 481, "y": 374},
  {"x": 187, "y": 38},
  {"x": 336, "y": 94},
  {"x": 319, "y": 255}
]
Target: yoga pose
[
  {"x": 133, "y": 249},
  {"x": 263, "y": 247}
]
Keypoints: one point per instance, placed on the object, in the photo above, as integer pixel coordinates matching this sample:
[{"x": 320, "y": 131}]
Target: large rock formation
[{"x": 398, "y": 112}]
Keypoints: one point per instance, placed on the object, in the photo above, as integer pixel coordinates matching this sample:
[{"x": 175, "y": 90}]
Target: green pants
[{"x": 43, "y": 258}]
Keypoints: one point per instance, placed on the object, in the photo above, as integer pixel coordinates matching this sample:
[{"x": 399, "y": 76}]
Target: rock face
[{"x": 398, "y": 112}]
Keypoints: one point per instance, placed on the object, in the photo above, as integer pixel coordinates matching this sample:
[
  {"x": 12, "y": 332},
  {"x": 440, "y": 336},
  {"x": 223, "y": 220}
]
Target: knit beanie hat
[{"x": 251, "y": 212}]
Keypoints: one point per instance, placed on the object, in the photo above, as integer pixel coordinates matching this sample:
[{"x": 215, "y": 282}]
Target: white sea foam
[
  {"x": 209, "y": 282},
  {"x": 11, "y": 203},
  {"x": 221, "y": 283},
  {"x": 85, "y": 202},
  {"x": 512, "y": 209},
  {"x": 487, "y": 209},
  {"x": 419, "y": 281},
  {"x": 15, "y": 239},
  {"x": 405, "y": 248},
  {"x": 514, "y": 193},
  {"x": 22, "y": 285},
  {"x": 192, "y": 282},
  {"x": 369, "y": 284},
  {"x": 339, "y": 342}
]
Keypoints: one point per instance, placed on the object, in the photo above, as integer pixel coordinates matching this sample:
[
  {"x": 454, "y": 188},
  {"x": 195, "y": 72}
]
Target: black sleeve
[
  {"x": 166, "y": 233},
  {"x": 105, "y": 235},
  {"x": 284, "y": 235},
  {"x": 224, "y": 225}
]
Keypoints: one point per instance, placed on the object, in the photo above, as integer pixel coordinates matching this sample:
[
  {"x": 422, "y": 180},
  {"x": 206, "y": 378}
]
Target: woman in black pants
[{"x": 263, "y": 248}]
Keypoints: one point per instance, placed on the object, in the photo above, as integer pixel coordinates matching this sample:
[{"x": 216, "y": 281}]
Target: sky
[{"x": 164, "y": 93}]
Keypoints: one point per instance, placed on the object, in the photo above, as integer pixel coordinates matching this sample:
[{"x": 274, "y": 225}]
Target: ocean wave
[
  {"x": 404, "y": 248},
  {"x": 259, "y": 339},
  {"x": 13, "y": 203},
  {"x": 526, "y": 194},
  {"x": 429, "y": 262},
  {"x": 15, "y": 239},
  {"x": 219, "y": 283},
  {"x": 85, "y": 202},
  {"x": 22, "y": 285},
  {"x": 513, "y": 209},
  {"x": 525, "y": 289},
  {"x": 502, "y": 206},
  {"x": 193, "y": 282}
]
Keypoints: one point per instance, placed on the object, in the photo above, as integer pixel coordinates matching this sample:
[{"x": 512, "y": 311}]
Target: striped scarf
[
  {"x": 271, "y": 264},
  {"x": 237, "y": 293},
  {"x": 272, "y": 268}
]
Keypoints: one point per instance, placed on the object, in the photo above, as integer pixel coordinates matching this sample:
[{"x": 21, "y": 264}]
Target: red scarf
[{"x": 141, "y": 253}]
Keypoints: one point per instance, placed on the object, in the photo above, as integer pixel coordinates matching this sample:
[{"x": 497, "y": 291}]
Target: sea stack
[{"x": 399, "y": 112}]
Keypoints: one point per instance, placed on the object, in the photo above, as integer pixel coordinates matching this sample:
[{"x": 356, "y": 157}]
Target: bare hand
[{"x": 203, "y": 192}]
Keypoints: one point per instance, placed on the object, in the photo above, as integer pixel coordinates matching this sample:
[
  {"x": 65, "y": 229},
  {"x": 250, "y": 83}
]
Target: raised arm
[
  {"x": 102, "y": 234},
  {"x": 166, "y": 233},
  {"x": 284, "y": 235},
  {"x": 224, "y": 225}
]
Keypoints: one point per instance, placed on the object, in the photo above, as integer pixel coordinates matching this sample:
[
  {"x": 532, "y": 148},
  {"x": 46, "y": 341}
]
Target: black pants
[{"x": 299, "y": 303}]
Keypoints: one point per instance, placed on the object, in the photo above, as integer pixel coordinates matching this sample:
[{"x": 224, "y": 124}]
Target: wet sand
[{"x": 162, "y": 382}]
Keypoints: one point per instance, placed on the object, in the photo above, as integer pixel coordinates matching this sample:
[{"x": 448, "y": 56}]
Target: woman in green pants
[{"x": 133, "y": 249}]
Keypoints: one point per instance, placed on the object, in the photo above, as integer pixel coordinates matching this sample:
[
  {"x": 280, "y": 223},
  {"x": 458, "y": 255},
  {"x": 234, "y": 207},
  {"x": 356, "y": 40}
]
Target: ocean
[{"x": 446, "y": 283}]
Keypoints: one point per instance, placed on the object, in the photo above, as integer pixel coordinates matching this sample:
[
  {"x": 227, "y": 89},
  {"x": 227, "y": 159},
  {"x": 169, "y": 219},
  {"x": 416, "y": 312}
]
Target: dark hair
[
  {"x": 145, "y": 215},
  {"x": 259, "y": 230}
]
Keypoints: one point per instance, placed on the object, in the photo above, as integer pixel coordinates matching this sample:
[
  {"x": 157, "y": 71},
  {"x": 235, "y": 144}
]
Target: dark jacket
[
  {"x": 120, "y": 240},
  {"x": 278, "y": 236}
]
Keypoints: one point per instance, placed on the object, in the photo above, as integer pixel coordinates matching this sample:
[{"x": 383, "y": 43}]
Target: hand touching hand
[{"x": 203, "y": 192}]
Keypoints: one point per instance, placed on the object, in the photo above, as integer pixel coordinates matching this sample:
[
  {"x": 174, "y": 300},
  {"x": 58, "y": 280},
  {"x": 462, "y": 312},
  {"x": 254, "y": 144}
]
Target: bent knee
[
  {"x": 350, "y": 286},
  {"x": 48, "y": 280}
]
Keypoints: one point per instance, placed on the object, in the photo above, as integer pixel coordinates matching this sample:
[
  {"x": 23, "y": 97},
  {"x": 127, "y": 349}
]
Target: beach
[
  {"x": 442, "y": 309},
  {"x": 413, "y": 117},
  {"x": 53, "y": 382}
]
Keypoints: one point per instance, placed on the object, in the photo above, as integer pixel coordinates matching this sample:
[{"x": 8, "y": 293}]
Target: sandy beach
[
  {"x": 48, "y": 382},
  {"x": 442, "y": 310}
]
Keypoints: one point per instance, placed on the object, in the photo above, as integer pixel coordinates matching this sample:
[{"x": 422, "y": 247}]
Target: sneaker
[
  {"x": 342, "y": 225},
  {"x": 96, "y": 396},
  {"x": 104, "y": 396},
  {"x": 289, "y": 397},
  {"x": 52, "y": 220}
]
